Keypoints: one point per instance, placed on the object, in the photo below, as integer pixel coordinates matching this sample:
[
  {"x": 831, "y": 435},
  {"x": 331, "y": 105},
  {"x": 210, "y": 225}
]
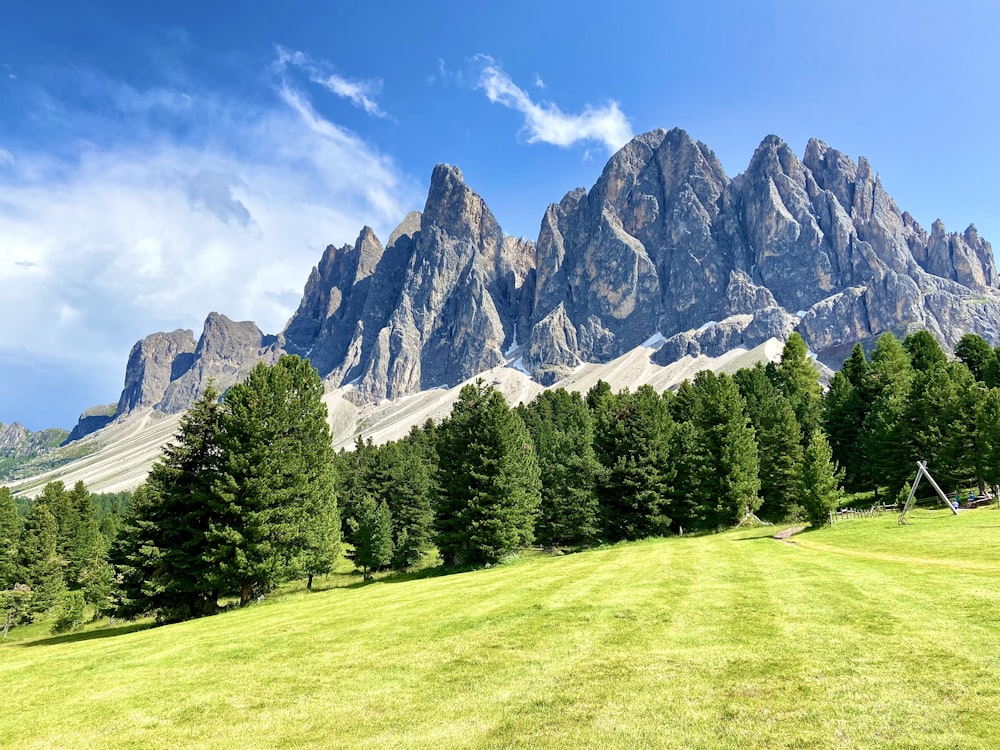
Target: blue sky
[{"x": 158, "y": 162}]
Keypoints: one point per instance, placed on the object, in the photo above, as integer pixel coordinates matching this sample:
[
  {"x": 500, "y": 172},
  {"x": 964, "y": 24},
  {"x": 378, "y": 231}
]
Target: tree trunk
[
  {"x": 244, "y": 593},
  {"x": 309, "y": 583}
]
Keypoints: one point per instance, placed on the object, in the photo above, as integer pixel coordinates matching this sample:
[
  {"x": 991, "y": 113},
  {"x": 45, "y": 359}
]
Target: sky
[{"x": 162, "y": 161}]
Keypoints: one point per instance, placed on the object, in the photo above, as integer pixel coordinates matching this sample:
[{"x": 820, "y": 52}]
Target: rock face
[{"x": 664, "y": 243}]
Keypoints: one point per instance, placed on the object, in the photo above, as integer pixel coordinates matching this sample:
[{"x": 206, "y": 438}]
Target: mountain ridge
[{"x": 663, "y": 243}]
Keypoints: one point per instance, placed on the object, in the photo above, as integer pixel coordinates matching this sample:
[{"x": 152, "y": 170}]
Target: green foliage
[
  {"x": 488, "y": 480},
  {"x": 977, "y": 355},
  {"x": 10, "y": 535},
  {"x": 924, "y": 351},
  {"x": 562, "y": 431},
  {"x": 778, "y": 438},
  {"x": 887, "y": 458},
  {"x": 727, "y": 476},
  {"x": 40, "y": 567},
  {"x": 15, "y": 606},
  {"x": 371, "y": 535},
  {"x": 797, "y": 378},
  {"x": 632, "y": 440},
  {"x": 845, "y": 407},
  {"x": 820, "y": 481},
  {"x": 69, "y": 613},
  {"x": 276, "y": 474}
]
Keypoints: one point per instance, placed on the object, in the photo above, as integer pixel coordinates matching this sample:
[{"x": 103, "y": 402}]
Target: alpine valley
[{"x": 665, "y": 266}]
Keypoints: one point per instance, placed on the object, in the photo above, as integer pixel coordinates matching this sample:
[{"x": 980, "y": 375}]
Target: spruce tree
[
  {"x": 924, "y": 351},
  {"x": 276, "y": 475},
  {"x": 562, "y": 430},
  {"x": 977, "y": 354},
  {"x": 988, "y": 430},
  {"x": 134, "y": 557},
  {"x": 887, "y": 457},
  {"x": 371, "y": 536},
  {"x": 728, "y": 479},
  {"x": 632, "y": 440},
  {"x": 40, "y": 567},
  {"x": 10, "y": 535},
  {"x": 797, "y": 379},
  {"x": 778, "y": 440},
  {"x": 401, "y": 478},
  {"x": 820, "y": 489},
  {"x": 488, "y": 480}
]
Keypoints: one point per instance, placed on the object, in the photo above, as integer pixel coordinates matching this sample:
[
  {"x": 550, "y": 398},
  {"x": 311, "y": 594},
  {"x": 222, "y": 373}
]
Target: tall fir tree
[
  {"x": 977, "y": 354},
  {"x": 820, "y": 481},
  {"x": 562, "y": 429},
  {"x": 797, "y": 378},
  {"x": 40, "y": 566},
  {"x": 371, "y": 536},
  {"x": 276, "y": 474},
  {"x": 728, "y": 477},
  {"x": 924, "y": 351},
  {"x": 778, "y": 439},
  {"x": 632, "y": 443},
  {"x": 887, "y": 456},
  {"x": 10, "y": 536},
  {"x": 401, "y": 478},
  {"x": 488, "y": 483}
]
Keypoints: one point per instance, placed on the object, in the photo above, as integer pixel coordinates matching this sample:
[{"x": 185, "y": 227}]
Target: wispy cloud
[
  {"x": 361, "y": 93},
  {"x": 545, "y": 122},
  {"x": 152, "y": 229}
]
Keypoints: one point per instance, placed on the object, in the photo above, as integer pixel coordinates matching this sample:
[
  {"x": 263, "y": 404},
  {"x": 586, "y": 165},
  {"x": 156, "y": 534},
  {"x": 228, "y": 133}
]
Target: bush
[{"x": 69, "y": 615}]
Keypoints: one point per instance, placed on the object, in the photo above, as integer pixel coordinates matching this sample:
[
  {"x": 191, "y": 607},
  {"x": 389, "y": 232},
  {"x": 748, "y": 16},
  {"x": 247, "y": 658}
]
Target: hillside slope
[{"x": 728, "y": 641}]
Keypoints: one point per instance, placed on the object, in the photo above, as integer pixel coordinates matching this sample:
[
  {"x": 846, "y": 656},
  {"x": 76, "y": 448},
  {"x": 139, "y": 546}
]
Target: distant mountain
[
  {"x": 20, "y": 447},
  {"x": 664, "y": 245}
]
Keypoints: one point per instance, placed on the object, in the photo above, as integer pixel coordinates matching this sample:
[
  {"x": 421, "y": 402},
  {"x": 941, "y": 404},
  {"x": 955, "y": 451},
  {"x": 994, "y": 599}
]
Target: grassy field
[{"x": 864, "y": 635}]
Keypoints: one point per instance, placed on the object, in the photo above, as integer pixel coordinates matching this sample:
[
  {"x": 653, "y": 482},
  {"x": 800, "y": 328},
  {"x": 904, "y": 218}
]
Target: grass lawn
[{"x": 864, "y": 635}]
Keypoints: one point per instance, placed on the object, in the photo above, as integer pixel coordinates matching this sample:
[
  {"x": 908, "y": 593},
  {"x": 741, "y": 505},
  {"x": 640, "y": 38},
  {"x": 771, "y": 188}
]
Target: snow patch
[
  {"x": 706, "y": 326},
  {"x": 800, "y": 314},
  {"x": 654, "y": 340},
  {"x": 513, "y": 345},
  {"x": 518, "y": 364}
]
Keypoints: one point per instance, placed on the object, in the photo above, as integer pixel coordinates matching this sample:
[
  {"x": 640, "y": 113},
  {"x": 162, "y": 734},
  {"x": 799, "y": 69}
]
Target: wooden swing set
[{"x": 922, "y": 472}]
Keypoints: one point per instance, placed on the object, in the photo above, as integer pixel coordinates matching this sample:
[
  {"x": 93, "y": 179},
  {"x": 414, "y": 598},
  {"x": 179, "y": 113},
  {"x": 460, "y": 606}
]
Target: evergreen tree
[
  {"x": 371, "y": 535},
  {"x": 632, "y": 440},
  {"x": 40, "y": 567},
  {"x": 845, "y": 407},
  {"x": 887, "y": 457},
  {"x": 977, "y": 355},
  {"x": 10, "y": 535},
  {"x": 277, "y": 473},
  {"x": 778, "y": 439},
  {"x": 988, "y": 430},
  {"x": 562, "y": 431},
  {"x": 797, "y": 379},
  {"x": 488, "y": 480},
  {"x": 401, "y": 478},
  {"x": 820, "y": 491},
  {"x": 728, "y": 477},
  {"x": 924, "y": 351},
  {"x": 134, "y": 557}
]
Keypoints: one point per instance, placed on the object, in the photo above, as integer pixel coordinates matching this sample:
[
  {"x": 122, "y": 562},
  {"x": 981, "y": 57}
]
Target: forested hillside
[{"x": 251, "y": 494}]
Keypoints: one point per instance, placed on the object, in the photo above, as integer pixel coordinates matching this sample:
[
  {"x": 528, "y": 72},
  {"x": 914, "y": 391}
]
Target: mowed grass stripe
[{"x": 735, "y": 640}]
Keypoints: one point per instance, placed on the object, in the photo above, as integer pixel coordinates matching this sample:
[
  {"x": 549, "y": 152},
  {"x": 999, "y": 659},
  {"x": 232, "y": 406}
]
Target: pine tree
[
  {"x": 797, "y": 379},
  {"x": 820, "y": 491},
  {"x": 988, "y": 430},
  {"x": 40, "y": 567},
  {"x": 778, "y": 439},
  {"x": 488, "y": 480},
  {"x": 976, "y": 353},
  {"x": 401, "y": 479},
  {"x": 10, "y": 535},
  {"x": 728, "y": 477},
  {"x": 924, "y": 351},
  {"x": 887, "y": 457},
  {"x": 277, "y": 473},
  {"x": 632, "y": 440},
  {"x": 562, "y": 431},
  {"x": 134, "y": 557},
  {"x": 371, "y": 535}
]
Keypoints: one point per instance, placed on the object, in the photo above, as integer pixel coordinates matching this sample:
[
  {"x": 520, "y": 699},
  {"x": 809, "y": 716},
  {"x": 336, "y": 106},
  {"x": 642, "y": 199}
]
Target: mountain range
[{"x": 664, "y": 250}]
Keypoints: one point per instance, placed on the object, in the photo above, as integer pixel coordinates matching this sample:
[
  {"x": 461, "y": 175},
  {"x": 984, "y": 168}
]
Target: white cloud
[
  {"x": 99, "y": 250},
  {"x": 539, "y": 83},
  {"x": 360, "y": 93},
  {"x": 547, "y": 123},
  {"x": 6, "y": 157}
]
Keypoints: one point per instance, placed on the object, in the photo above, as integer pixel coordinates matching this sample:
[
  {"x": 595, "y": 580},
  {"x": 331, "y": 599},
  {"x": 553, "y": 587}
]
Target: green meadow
[{"x": 863, "y": 635}]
